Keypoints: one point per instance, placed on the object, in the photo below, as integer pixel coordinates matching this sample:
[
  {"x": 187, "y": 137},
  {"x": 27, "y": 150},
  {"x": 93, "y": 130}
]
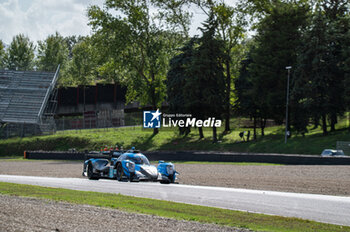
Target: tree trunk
[
  {"x": 200, "y": 130},
  {"x": 333, "y": 121},
  {"x": 228, "y": 91},
  {"x": 184, "y": 130},
  {"x": 254, "y": 137},
  {"x": 215, "y": 137},
  {"x": 262, "y": 125},
  {"x": 188, "y": 130},
  {"x": 155, "y": 131},
  {"x": 84, "y": 109},
  {"x": 324, "y": 124},
  {"x": 154, "y": 105},
  {"x": 316, "y": 123}
]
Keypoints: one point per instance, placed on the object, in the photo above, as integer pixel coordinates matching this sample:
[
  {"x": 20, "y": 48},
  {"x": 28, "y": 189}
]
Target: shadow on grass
[
  {"x": 271, "y": 143},
  {"x": 144, "y": 143},
  {"x": 191, "y": 142},
  {"x": 165, "y": 140},
  {"x": 16, "y": 146}
]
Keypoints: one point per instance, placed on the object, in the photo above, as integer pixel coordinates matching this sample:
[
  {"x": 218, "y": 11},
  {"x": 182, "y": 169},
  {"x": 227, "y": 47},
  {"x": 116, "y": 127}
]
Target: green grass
[
  {"x": 14, "y": 159},
  {"x": 21, "y": 159},
  {"x": 168, "y": 209},
  {"x": 169, "y": 139}
]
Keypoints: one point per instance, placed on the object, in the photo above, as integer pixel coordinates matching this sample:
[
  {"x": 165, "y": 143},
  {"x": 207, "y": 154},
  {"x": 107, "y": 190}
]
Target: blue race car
[
  {"x": 101, "y": 165},
  {"x": 129, "y": 166}
]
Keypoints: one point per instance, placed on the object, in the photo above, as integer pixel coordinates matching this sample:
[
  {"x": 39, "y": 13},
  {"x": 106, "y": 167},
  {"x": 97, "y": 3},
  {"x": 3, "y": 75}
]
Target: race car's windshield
[{"x": 139, "y": 160}]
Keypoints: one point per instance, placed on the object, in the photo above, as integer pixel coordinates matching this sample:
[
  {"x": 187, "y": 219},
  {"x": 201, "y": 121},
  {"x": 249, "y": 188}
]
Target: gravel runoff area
[
  {"x": 29, "y": 214},
  {"x": 318, "y": 179}
]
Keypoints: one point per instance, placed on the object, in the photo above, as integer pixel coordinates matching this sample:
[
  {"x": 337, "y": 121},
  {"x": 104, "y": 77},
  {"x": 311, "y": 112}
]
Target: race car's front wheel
[
  {"x": 120, "y": 172},
  {"x": 90, "y": 172}
]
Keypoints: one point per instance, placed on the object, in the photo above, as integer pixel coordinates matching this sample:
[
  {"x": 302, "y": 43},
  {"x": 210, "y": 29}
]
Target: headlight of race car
[
  {"x": 170, "y": 169},
  {"x": 130, "y": 166}
]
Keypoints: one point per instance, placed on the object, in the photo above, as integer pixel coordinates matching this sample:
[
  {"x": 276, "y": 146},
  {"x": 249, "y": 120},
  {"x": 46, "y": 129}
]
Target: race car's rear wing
[{"x": 103, "y": 154}]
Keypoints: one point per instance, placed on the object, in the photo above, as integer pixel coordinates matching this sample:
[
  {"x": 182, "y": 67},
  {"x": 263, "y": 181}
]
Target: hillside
[{"x": 168, "y": 139}]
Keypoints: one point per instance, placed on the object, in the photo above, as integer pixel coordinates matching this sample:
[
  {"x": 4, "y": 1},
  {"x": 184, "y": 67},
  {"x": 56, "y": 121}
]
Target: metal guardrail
[{"x": 48, "y": 92}]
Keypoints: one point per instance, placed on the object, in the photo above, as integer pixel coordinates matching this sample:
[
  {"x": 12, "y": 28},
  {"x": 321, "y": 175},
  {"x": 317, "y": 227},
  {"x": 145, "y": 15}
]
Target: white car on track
[{"x": 330, "y": 152}]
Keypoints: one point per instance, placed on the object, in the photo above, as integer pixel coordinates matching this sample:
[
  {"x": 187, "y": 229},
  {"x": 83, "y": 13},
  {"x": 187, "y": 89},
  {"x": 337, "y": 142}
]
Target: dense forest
[{"x": 237, "y": 66}]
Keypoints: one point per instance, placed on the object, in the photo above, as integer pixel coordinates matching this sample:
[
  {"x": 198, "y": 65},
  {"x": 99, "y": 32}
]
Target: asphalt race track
[{"x": 322, "y": 208}]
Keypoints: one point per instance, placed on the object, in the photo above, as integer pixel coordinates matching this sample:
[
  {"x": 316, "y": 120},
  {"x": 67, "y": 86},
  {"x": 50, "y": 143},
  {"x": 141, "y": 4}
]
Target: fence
[
  {"x": 91, "y": 121},
  {"x": 87, "y": 123},
  {"x": 9, "y": 130},
  {"x": 345, "y": 146}
]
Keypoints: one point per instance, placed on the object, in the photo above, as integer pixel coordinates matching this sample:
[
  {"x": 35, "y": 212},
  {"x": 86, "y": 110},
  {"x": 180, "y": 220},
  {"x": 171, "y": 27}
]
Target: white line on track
[{"x": 322, "y": 208}]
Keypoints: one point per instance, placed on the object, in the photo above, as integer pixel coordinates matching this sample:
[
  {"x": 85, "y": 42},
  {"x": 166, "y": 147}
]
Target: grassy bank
[
  {"x": 169, "y": 139},
  {"x": 170, "y": 209}
]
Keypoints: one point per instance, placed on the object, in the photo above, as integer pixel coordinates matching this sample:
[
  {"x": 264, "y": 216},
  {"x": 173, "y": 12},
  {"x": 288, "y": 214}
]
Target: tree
[
  {"x": 335, "y": 12},
  {"x": 279, "y": 36},
  {"x": 67, "y": 45},
  {"x": 320, "y": 78},
  {"x": 231, "y": 22},
  {"x": 231, "y": 31},
  {"x": 245, "y": 103},
  {"x": 177, "y": 76},
  {"x": 20, "y": 54},
  {"x": 52, "y": 52},
  {"x": 2, "y": 54},
  {"x": 139, "y": 44},
  {"x": 334, "y": 9},
  {"x": 203, "y": 90},
  {"x": 82, "y": 67},
  {"x": 346, "y": 66},
  {"x": 195, "y": 81},
  {"x": 176, "y": 14},
  {"x": 71, "y": 41}
]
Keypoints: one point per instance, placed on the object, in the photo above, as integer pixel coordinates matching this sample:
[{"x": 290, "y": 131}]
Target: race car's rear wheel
[
  {"x": 90, "y": 173},
  {"x": 171, "y": 178},
  {"x": 120, "y": 172}
]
